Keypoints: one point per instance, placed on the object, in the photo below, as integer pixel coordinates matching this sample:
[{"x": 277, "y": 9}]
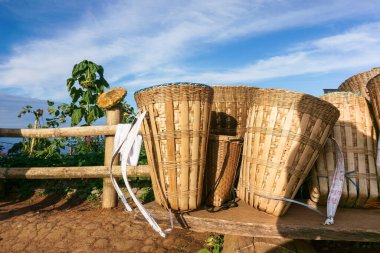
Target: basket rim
[
  {"x": 232, "y": 86},
  {"x": 343, "y": 92},
  {"x": 171, "y": 84},
  {"x": 315, "y": 99},
  {"x": 373, "y": 81}
]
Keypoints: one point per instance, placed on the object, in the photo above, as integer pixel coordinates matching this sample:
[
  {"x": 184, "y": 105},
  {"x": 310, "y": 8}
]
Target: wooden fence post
[{"x": 109, "y": 200}]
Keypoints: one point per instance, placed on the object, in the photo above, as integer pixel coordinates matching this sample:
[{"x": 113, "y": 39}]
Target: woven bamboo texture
[
  {"x": 229, "y": 109},
  {"x": 358, "y": 83},
  {"x": 175, "y": 136},
  {"x": 374, "y": 93},
  {"x": 285, "y": 134},
  {"x": 223, "y": 156},
  {"x": 356, "y": 136}
]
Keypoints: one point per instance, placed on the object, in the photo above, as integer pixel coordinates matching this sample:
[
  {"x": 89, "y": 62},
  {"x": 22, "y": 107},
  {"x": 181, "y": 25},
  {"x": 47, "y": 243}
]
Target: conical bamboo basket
[
  {"x": 285, "y": 133},
  {"x": 356, "y": 136},
  {"x": 229, "y": 110},
  {"x": 358, "y": 83},
  {"x": 175, "y": 136},
  {"x": 223, "y": 156},
  {"x": 374, "y": 93}
]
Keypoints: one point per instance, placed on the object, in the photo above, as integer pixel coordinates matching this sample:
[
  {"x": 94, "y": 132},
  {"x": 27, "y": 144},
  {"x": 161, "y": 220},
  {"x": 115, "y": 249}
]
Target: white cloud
[
  {"x": 150, "y": 40},
  {"x": 355, "y": 49}
]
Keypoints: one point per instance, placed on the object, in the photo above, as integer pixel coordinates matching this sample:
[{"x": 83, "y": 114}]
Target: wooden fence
[{"x": 109, "y": 194}]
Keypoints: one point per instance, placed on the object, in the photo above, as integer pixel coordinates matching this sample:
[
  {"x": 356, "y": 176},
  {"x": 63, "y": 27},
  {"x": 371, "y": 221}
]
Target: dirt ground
[
  {"x": 57, "y": 224},
  {"x": 47, "y": 224}
]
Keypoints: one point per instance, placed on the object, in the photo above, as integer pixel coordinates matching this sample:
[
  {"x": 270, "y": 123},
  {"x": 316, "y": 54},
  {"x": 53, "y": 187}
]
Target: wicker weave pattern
[
  {"x": 355, "y": 134},
  {"x": 276, "y": 164},
  {"x": 358, "y": 83},
  {"x": 223, "y": 156},
  {"x": 175, "y": 137},
  {"x": 374, "y": 93},
  {"x": 229, "y": 109}
]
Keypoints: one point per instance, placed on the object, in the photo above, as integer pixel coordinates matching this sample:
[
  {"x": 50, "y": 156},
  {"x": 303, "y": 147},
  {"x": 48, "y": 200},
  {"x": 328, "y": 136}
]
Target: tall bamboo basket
[
  {"x": 374, "y": 93},
  {"x": 223, "y": 156},
  {"x": 358, "y": 83},
  {"x": 229, "y": 109},
  {"x": 285, "y": 134},
  {"x": 356, "y": 136},
  {"x": 175, "y": 136}
]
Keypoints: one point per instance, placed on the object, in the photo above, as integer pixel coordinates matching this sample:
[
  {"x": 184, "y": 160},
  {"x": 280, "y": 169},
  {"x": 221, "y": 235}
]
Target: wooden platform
[{"x": 298, "y": 223}]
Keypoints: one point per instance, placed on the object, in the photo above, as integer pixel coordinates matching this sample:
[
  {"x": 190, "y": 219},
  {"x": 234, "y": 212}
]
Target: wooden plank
[
  {"x": 298, "y": 223},
  {"x": 59, "y": 132},
  {"x": 109, "y": 196},
  {"x": 71, "y": 172}
]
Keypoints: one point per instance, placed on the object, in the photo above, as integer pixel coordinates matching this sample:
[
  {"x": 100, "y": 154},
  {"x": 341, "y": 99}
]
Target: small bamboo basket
[
  {"x": 175, "y": 136},
  {"x": 223, "y": 156},
  {"x": 356, "y": 136},
  {"x": 285, "y": 134},
  {"x": 229, "y": 109},
  {"x": 358, "y": 83}
]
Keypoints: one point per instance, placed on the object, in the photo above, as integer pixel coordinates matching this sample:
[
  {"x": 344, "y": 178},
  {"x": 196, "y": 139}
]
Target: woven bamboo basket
[
  {"x": 229, "y": 110},
  {"x": 374, "y": 93},
  {"x": 285, "y": 133},
  {"x": 355, "y": 134},
  {"x": 175, "y": 136},
  {"x": 223, "y": 156},
  {"x": 358, "y": 83}
]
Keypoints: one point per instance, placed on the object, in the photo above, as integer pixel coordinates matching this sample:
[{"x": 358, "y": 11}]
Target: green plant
[
  {"x": 147, "y": 195},
  {"x": 213, "y": 244},
  {"x": 92, "y": 83}
]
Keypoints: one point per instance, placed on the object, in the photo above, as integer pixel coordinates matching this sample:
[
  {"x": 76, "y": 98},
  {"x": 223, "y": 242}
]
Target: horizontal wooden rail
[
  {"x": 71, "y": 172},
  {"x": 58, "y": 132}
]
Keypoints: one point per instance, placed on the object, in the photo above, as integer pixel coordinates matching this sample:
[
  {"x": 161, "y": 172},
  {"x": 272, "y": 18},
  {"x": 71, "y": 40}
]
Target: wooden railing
[{"x": 109, "y": 195}]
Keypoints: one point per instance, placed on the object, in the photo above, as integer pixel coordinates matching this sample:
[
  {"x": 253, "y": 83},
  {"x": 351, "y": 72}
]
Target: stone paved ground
[{"x": 34, "y": 226}]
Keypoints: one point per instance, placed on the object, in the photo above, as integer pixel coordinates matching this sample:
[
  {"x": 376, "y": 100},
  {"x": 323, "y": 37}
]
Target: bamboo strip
[
  {"x": 195, "y": 155},
  {"x": 173, "y": 174},
  {"x": 185, "y": 156}
]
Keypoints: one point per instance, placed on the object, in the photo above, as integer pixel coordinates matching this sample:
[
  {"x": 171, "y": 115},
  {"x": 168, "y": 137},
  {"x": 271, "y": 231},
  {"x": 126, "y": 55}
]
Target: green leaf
[
  {"x": 51, "y": 110},
  {"x": 100, "y": 70},
  {"x": 79, "y": 69},
  {"x": 203, "y": 251},
  {"x": 70, "y": 83},
  {"x": 76, "y": 117},
  {"x": 90, "y": 116},
  {"x": 93, "y": 67},
  {"x": 50, "y": 103},
  {"x": 87, "y": 96},
  {"x": 77, "y": 94}
]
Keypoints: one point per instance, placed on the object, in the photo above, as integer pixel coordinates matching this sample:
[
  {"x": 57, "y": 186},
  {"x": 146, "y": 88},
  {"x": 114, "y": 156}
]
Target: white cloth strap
[
  {"x": 336, "y": 186},
  {"x": 125, "y": 145},
  {"x": 120, "y": 135}
]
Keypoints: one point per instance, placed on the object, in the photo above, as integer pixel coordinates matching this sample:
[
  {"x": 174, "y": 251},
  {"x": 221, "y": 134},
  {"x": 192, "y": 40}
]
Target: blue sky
[{"x": 290, "y": 44}]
